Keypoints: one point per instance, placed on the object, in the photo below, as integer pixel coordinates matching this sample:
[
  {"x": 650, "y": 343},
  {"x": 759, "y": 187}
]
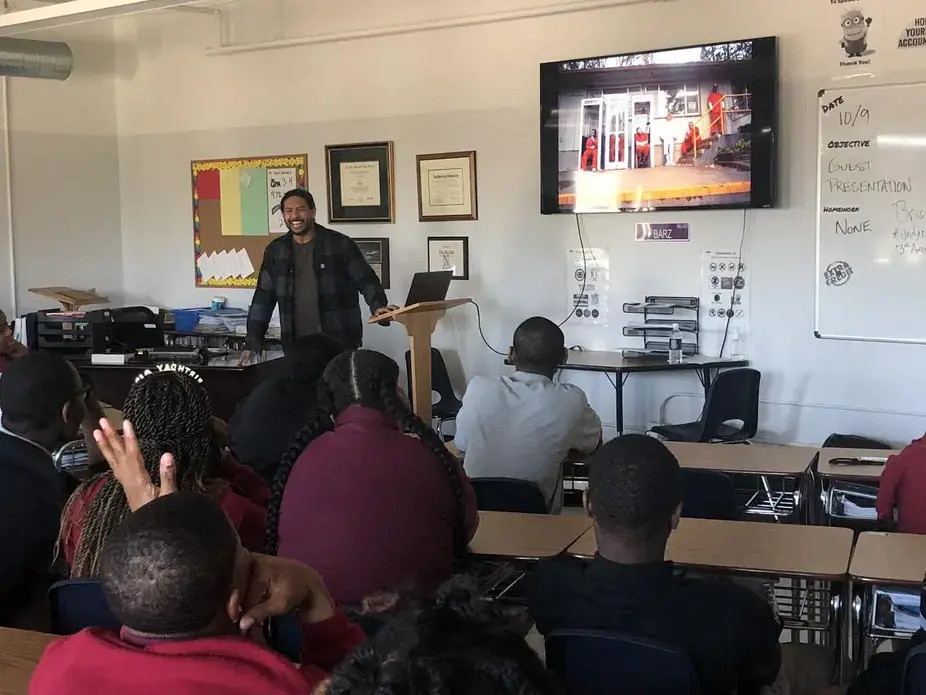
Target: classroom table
[
  {"x": 227, "y": 381},
  {"x": 526, "y": 536},
  {"x": 881, "y": 561},
  {"x": 615, "y": 363},
  {"x": 781, "y": 471},
  {"x": 828, "y": 475},
  {"x": 507, "y": 544},
  {"x": 815, "y": 560},
  {"x": 19, "y": 653}
]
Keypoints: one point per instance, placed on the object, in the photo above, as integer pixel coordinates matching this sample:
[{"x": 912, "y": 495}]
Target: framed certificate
[
  {"x": 447, "y": 187},
  {"x": 449, "y": 253},
  {"x": 360, "y": 182},
  {"x": 376, "y": 252}
]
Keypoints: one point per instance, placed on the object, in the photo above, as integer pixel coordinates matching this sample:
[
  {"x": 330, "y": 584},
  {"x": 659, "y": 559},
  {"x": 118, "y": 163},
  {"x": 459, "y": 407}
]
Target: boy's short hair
[
  {"x": 634, "y": 485},
  {"x": 34, "y": 390},
  {"x": 538, "y": 342},
  {"x": 169, "y": 567}
]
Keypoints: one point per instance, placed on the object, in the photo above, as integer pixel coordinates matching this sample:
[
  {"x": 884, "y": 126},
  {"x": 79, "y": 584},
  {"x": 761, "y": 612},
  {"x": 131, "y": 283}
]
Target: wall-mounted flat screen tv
[{"x": 680, "y": 129}]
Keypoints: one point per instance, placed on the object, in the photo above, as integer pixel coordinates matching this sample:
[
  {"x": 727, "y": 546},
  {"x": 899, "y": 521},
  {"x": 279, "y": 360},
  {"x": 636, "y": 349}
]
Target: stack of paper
[{"x": 225, "y": 265}]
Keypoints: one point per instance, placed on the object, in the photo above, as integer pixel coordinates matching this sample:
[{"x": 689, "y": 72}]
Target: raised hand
[{"x": 128, "y": 465}]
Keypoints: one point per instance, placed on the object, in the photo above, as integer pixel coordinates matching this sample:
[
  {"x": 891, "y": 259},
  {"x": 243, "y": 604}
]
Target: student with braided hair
[
  {"x": 453, "y": 643},
  {"x": 372, "y": 509},
  {"x": 170, "y": 412}
]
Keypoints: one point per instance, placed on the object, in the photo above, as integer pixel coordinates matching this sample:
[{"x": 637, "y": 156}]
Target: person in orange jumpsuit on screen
[
  {"x": 590, "y": 156},
  {"x": 692, "y": 138},
  {"x": 641, "y": 143},
  {"x": 715, "y": 106}
]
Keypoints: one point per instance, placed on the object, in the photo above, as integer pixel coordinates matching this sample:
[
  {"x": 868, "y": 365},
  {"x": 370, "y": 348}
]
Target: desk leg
[
  {"x": 619, "y": 402},
  {"x": 706, "y": 380}
]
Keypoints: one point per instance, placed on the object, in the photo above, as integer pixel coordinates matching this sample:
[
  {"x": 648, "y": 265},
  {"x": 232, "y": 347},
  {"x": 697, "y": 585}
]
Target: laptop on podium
[{"x": 429, "y": 287}]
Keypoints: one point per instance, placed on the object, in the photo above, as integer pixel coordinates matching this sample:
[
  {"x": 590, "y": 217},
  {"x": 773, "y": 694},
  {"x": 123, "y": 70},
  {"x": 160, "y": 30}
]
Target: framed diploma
[
  {"x": 360, "y": 182},
  {"x": 376, "y": 253},
  {"x": 449, "y": 253},
  {"x": 447, "y": 187}
]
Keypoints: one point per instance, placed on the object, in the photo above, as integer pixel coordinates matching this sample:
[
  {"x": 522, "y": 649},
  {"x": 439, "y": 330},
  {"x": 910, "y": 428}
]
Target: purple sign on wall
[{"x": 674, "y": 231}]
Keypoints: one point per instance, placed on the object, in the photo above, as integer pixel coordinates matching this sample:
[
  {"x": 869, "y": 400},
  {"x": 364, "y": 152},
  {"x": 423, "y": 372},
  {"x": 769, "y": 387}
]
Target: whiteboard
[{"x": 871, "y": 213}]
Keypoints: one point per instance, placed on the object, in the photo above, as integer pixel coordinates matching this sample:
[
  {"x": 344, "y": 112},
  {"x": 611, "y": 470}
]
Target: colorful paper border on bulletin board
[{"x": 236, "y": 213}]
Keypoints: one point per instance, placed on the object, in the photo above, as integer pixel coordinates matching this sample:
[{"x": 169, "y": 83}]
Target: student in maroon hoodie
[
  {"x": 176, "y": 576},
  {"x": 393, "y": 510}
]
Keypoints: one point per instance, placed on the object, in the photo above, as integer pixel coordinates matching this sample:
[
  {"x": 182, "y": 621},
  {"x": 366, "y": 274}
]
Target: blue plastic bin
[{"x": 186, "y": 319}]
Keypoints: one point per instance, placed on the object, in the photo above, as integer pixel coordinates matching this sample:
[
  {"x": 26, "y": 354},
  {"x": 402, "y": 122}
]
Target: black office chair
[
  {"x": 708, "y": 495},
  {"x": 734, "y": 395},
  {"x": 596, "y": 662},
  {"x": 449, "y": 405},
  {"x": 76, "y": 604},
  {"x": 509, "y": 495},
  {"x": 914, "y": 672}
]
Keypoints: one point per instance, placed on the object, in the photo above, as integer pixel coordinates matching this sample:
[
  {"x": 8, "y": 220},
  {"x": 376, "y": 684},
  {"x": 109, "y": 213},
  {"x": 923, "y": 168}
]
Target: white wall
[
  {"x": 476, "y": 87},
  {"x": 64, "y": 176}
]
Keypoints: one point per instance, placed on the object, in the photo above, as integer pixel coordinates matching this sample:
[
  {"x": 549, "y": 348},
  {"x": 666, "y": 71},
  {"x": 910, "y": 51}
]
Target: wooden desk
[
  {"x": 526, "y": 536},
  {"x": 227, "y": 382},
  {"x": 615, "y": 363},
  {"x": 19, "y": 653},
  {"x": 861, "y": 473},
  {"x": 898, "y": 559},
  {"x": 759, "y": 459},
  {"x": 885, "y": 560},
  {"x": 815, "y": 552}
]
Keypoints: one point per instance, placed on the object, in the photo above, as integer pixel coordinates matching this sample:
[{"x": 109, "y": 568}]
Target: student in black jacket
[
  {"x": 42, "y": 403},
  {"x": 265, "y": 422},
  {"x": 728, "y": 632}
]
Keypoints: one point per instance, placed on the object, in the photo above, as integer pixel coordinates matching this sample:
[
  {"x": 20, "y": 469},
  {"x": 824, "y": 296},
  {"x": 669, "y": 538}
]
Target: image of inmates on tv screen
[{"x": 655, "y": 130}]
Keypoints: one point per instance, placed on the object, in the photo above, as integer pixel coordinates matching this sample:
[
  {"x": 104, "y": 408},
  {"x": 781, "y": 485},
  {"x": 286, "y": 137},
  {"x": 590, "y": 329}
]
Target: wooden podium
[{"x": 420, "y": 320}]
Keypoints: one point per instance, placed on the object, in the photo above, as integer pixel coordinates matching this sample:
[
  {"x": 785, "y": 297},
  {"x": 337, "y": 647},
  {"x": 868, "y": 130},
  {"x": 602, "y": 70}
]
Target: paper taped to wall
[{"x": 225, "y": 265}]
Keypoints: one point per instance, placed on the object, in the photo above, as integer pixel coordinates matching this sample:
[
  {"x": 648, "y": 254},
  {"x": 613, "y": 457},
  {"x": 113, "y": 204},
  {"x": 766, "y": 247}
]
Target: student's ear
[
  {"x": 587, "y": 503},
  {"x": 676, "y": 517},
  {"x": 511, "y": 355}
]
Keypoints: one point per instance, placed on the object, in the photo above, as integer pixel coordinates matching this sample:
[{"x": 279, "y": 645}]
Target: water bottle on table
[{"x": 675, "y": 345}]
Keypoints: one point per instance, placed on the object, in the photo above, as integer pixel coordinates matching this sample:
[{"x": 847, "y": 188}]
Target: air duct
[{"x": 47, "y": 60}]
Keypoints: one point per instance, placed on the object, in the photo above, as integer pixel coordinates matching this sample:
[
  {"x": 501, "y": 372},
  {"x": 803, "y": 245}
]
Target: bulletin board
[{"x": 236, "y": 213}]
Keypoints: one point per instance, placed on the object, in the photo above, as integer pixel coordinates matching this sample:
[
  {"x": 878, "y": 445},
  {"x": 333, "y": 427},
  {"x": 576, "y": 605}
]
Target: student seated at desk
[
  {"x": 523, "y": 426},
  {"x": 727, "y": 631},
  {"x": 454, "y": 643},
  {"x": 372, "y": 509},
  {"x": 265, "y": 422},
  {"x": 169, "y": 411},
  {"x": 42, "y": 399},
  {"x": 185, "y": 590},
  {"x": 903, "y": 486}
]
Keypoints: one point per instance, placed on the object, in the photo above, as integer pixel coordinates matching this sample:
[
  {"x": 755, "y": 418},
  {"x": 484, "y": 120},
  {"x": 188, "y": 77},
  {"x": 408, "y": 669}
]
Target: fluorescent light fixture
[{"x": 76, "y": 11}]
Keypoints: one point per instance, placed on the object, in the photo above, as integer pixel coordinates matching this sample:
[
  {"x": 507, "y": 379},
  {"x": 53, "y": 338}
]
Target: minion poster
[{"x": 855, "y": 38}]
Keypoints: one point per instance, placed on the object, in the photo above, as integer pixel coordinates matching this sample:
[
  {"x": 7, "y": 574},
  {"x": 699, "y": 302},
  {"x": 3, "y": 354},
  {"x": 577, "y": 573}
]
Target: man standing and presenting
[{"x": 314, "y": 274}]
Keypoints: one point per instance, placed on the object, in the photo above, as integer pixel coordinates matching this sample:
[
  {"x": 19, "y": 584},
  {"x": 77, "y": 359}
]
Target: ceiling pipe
[{"x": 48, "y": 60}]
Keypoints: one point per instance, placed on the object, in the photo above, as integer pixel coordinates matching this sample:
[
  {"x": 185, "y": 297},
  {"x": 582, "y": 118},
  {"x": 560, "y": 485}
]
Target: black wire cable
[
  {"x": 571, "y": 313},
  {"x": 584, "y": 273},
  {"x": 481, "y": 334},
  {"x": 739, "y": 263}
]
